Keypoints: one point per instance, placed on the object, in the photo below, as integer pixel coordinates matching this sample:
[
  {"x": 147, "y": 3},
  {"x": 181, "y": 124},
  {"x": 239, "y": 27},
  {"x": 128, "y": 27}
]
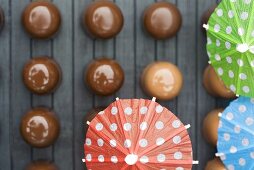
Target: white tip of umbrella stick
[
  {"x": 237, "y": 95},
  {"x": 206, "y": 26},
  {"x": 83, "y": 160},
  {"x": 195, "y": 162},
  {"x": 219, "y": 154},
  {"x": 117, "y": 98},
  {"x": 209, "y": 62},
  {"x": 187, "y": 126},
  {"x": 154, "y": 99},
  {"x": 220, "y": 114},
  {"x": 87, "y": 122}
]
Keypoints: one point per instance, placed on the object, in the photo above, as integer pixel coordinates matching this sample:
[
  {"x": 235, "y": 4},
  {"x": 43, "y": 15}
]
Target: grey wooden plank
[
  {"x": 186, "y": 61},
  {"x": 41, "y": 48},
  {"x": 20, "y": 97},
  {"x": 205, "y": 103},
  {"x": 83, "y": 98},
  {"x": 63, "y": 97},
  {"x": 125, "y": 53},
  {"x": 144, "y": 45},
  {"x": 5, "y": 128},
  {"x": 166, "y": 51}
]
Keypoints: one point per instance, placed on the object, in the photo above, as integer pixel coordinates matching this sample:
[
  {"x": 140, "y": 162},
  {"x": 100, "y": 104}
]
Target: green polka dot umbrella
[{"x": 230, "y": 44}]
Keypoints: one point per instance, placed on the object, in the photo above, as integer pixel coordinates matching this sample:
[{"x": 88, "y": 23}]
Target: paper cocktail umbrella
[
  {"x": 230, "y": 44},
  {"x": 137, "y": 134},
  {"x": 236, "y": 135}
]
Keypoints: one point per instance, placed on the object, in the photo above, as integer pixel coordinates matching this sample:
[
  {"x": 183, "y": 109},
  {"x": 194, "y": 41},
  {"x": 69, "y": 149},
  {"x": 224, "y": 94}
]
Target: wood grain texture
[
  {"x": 63, "y": 98},
  {"x": 73, "y": 49},
  {"x": 5, "y": 89},
  {"x": 20, "y": 96}
]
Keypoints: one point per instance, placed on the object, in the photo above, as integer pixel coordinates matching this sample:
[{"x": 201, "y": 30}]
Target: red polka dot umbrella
[{"x": 137, "y": 134}]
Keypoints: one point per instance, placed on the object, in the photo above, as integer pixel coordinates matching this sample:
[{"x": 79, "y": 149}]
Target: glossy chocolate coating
[
  {"x": 215, "y": 164},
  {"x": 40, "y": 127},
  {"x": 162, "y": 80},
  {"x": 41, "y": 19},
  {"x": 104, "y": 76},
  {"x": 210, "y": 126},
  {"x": 1, "y": 18},
  {"x": 41, "y": 165},
  {"x": 214, "y": 85},
  {"x": 162, "y": 20},
  {"x": 103, "y": 19},
  {"x": 42, "y": 75}
]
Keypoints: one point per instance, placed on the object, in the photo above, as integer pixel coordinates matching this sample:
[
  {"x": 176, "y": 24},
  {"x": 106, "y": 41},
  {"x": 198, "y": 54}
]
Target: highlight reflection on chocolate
[
  {"x": 41, "y": 19},
  {"x": 103, "y": 19},
  {"x": 162, "y": 20},
  {"x": 104, "y": 76},
  {"x": 162, "y": 80},
  {"x": 214, "y": 85},
  {"x": 210, "y": 126},
  {"x": 41, "y": 165},
  {"x": 42, "y": 75},
  {"x": 1, "y": 18},
  {"x": 40, "y": 127}
]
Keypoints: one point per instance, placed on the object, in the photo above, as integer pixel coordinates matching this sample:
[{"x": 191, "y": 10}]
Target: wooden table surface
[{"x": 73, "y": 50}]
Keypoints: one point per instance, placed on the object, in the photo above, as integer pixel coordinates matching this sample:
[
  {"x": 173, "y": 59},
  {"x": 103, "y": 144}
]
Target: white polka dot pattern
[
  {"x": 137, "y": 126},
  {"x": 235, "y": 135},
  {"x": 229, "y": 33}
]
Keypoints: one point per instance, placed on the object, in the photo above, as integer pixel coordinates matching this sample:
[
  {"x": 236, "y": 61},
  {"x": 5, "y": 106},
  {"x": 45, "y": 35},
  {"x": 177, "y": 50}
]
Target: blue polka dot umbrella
[{"x": 236, "y": 135}]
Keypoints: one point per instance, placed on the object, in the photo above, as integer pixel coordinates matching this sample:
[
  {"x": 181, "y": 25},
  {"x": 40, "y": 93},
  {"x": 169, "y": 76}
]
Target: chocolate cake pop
[
  {"x": 162, "y": 80},
  {"x": 214, "y": 85},
  {"x": 162, "y": 20},
  {"x": 40, "y": 127},
  {"x": 42, "y": 75},
  {"x": 206, "y": 15},
  {"x": 103, "y": 19},
  {"x": 41, "y": 19},
  {"x": 210, "y": 126},
  {"x": 104, "y": 76},
  {"x": 215, "y": 164}
]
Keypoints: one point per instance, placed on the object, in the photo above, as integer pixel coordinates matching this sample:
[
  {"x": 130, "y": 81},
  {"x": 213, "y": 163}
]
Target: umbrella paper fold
[
  {"x": 230, "y": 44},
  {"x": 137, "y": 134},
  {"x": 236, "y": 135}
]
